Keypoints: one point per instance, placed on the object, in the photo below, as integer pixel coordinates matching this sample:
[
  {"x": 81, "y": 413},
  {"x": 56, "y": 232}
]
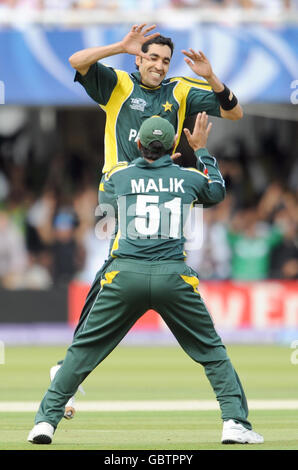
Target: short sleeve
[
  {"x": 199, "y": 100},
  {"x": 99, "y": 82}
]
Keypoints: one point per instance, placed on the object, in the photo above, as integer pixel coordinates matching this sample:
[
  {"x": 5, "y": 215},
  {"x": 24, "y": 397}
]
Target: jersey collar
[{"x": 161, "y": 162}]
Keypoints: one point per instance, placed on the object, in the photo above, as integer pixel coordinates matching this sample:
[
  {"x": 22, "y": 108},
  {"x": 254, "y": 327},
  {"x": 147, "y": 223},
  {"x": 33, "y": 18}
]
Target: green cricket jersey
[
  {"x": 127, "y": 103},
  {"x": 152, "y": 202}
]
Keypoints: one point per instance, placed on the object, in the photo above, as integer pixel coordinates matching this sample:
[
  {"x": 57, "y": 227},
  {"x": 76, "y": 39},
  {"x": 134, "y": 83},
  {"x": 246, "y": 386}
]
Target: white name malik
[
  {"x": 153, "y": 459},
  {"x": 172, "y": 185}
]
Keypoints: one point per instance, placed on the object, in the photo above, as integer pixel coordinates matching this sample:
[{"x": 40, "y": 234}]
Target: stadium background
[{"x": 51, "y": 155}]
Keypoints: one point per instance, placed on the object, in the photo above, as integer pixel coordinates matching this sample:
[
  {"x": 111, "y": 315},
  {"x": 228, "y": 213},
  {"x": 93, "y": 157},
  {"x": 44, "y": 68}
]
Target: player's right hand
[
  {"x": 198, "y": 138},
  {"x": 133, "y": 41}
]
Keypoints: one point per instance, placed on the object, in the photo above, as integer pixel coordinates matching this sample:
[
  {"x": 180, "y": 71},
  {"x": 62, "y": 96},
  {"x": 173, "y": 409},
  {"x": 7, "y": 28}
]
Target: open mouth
[{"x": 156, "y": 74}]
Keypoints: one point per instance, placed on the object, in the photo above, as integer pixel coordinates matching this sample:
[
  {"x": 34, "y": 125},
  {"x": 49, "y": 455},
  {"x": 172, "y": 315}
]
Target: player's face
[{"x": 154, "y": 70}]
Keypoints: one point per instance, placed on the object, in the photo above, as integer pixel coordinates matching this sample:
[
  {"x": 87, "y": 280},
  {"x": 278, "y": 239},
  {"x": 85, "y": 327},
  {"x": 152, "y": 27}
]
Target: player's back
[{"x": 153, "y": 202}]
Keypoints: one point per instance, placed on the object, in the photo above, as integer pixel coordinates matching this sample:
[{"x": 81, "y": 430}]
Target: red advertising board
[
  {"x": 252, "y": 304},
  {"x": 77, "y": 294},
  {"x": 232, "y": 305}
]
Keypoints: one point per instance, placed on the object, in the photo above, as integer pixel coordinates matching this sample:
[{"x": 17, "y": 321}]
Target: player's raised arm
[
  {"x": 212, "y": 191},
  {"x": 200, "y": 65},
  {"x": 130, "y": 44}
]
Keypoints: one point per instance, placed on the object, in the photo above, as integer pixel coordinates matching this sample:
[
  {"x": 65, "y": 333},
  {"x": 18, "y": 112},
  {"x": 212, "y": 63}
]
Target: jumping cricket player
[
  {"x": 130, "y": 98},
  {"x": 152, "y": 197}
]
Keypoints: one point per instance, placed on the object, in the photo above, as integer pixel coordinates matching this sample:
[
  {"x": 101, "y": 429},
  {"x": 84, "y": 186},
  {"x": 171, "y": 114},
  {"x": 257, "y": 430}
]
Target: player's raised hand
[
  {"x": 198, "y": 138},
  {"x": 133, "y": 41},
  {"x": 198, "y": 63}
]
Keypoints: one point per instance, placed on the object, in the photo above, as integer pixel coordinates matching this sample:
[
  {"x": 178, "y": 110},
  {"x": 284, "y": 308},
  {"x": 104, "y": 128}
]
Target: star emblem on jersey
[{"x": 167, "y": 106}]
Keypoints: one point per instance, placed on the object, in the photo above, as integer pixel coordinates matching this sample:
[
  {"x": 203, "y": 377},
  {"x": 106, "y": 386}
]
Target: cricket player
[
  {"x": 152, "y": 197},
  {"x": 129, "y": 99}
]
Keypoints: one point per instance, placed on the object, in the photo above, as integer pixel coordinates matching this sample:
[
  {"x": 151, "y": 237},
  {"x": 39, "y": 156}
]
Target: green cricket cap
[{"x": 157, "y": 128}]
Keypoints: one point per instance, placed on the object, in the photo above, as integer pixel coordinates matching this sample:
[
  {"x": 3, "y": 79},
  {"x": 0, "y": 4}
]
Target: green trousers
[{"x": 122, "y": 293}]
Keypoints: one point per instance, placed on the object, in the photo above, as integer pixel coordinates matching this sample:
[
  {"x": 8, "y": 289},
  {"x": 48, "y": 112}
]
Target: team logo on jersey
[
  {"x": 167, "y": 106},
  {"x": 138, "y": 104}
]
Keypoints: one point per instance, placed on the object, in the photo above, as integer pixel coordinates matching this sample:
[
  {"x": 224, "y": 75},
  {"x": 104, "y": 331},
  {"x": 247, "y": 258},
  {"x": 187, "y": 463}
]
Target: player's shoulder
[
  {"x": 194, "y": 173},
  {"x": 124, "y": 79},
  {"x": 116, "y": 169},
  {"x": 190, "y": 82}
]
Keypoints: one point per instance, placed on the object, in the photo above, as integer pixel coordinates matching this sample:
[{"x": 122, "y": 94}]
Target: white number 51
[{"x": 148, "y": 214}]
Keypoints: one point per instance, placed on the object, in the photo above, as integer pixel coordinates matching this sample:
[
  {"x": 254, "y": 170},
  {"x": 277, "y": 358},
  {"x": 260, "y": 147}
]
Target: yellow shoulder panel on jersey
[
  {"x": 180, "y": 93},
  {"x": 120, "y": 166},
  {"x": 193, "y": 82},
  {"x": 121, "y": 92}
]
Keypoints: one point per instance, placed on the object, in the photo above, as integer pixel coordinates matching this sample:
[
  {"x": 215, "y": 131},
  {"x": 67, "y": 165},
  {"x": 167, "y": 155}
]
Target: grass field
[{"x": 139, "y": 374}]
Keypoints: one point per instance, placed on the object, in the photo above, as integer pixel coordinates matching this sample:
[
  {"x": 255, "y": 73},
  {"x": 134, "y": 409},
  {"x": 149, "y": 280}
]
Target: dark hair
[
  {"x": 162, "y": 40},
  {"x": 154, "y": 151}
]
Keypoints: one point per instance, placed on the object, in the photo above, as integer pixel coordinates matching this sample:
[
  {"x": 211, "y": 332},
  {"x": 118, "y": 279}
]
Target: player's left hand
[
  {"x": 198, "y": 138},
  {"x": 198, "y": 63}
]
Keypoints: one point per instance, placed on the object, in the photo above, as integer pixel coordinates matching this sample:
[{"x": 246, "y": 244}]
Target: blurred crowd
[
  {"x": 48, "y": 200},
  {"x": 251, "y": 241},
  {"x": 146, "y": 5},
  {"x": 253, "y": 233},
  {"x": 47, "y": 238}
]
